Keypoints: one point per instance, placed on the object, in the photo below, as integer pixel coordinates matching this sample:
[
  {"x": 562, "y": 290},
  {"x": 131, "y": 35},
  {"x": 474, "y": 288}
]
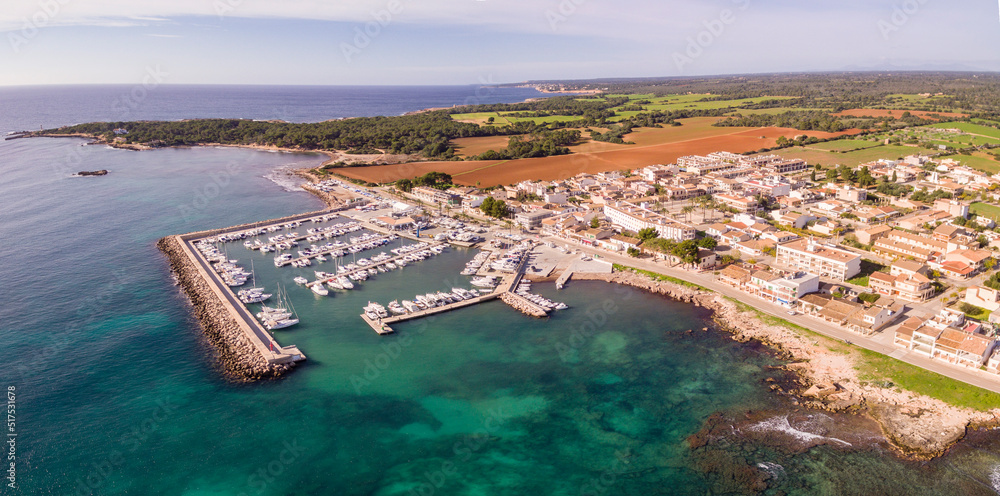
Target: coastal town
[{"x": 897, "y": 251}]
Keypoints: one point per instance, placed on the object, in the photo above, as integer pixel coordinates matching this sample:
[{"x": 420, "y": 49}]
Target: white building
[
  {"x": 635, "y": 219},
  {"x": 825, "y": 260}
]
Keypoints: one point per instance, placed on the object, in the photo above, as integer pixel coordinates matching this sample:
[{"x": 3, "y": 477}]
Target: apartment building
[
  {"x": 634, "y": 218},
  {"x": 824, "y": 260}
]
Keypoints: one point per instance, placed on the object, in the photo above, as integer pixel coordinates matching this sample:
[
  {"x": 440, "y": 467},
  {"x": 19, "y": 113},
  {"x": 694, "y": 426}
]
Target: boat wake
[
  {"x": 284, "y": 177},
  {"x": 781, "y": 424}
]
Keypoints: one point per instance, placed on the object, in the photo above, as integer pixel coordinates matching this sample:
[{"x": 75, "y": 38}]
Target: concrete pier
[
  {"x": 258, "y": 336},
  {"x": 373, "y": 265},
  {"x": 561, "y": 282},
  {"x": 384, "y": 326},
  {"x": 331, "y": 250}
]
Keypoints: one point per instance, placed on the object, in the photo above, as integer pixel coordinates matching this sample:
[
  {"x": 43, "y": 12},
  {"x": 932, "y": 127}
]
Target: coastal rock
[{"x": 916, "y": 426}]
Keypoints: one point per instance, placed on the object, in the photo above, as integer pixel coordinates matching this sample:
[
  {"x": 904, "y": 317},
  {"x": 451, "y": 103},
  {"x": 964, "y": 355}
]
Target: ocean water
[{"x": 623, "y": 393}]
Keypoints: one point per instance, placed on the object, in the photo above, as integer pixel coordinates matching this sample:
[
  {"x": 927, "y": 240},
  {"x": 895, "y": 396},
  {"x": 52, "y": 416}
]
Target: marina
[{"x": 264, "y": 306}]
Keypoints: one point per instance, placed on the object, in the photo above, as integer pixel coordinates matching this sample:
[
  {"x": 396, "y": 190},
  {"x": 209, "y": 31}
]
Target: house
[
  {"x": 717, "y": 230},
  {"x": 955, "y": 208},
  {"x": 906, "y": 280},
  {"x": 735, "y": 276},
  {"x": 826, "y": 228},
  {"x": 618, "y": 242},
  {"x": 868, "y": 236},
  {"x": 983, "y": 297},
  {"x": 787, "y": 290},
  {"x": 706, "y": 258},
  {"x": 754, "y": 247},
  {"x": 904, "y": 333},
  {"x": 901, "y": 244},
  {"x": 871, "y": 319},
  {"x": 779, "y": 236},
  {"x": 824, "y": 260},
  {"x": 853, "y": 195},
  {"x": 396, "y": 223},
  {"x": 797, "y": 220},
  {"x": 963, "y": 348},
  {"x": 947, "y": 232},
  {"x": 739, "y": 203},
  {"x": 532, "y": 220}
]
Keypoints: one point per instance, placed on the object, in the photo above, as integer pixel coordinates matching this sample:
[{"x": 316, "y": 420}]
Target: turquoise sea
[{"x": 117, "y": 392}]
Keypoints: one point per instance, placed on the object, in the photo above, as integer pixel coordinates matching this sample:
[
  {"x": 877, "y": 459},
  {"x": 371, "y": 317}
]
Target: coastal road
[{"x": 978, "y": 378}]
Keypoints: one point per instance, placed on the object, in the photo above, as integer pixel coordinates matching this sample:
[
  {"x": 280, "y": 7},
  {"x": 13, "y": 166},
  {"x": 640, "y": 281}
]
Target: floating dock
[
  {"x": 382, "y": 326},
  {"x": 365, "y": 268},
  {"x": 331, "y": 250}
]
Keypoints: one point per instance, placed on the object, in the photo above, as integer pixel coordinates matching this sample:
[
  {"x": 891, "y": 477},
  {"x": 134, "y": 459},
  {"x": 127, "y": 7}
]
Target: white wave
[
  {"x": 772, "y": 468},
  {"x": 282, "y": 176},
  {"x": 995, "y": 478},
  {"x": 780, "y": 424}
]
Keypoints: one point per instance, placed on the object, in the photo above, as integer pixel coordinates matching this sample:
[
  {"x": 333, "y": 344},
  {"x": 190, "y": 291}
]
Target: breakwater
[{"x": 238, "y": 357}]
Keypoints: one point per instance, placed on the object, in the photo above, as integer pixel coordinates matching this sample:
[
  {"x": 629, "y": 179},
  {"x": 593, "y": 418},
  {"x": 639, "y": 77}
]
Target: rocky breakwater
[
  {"x": 240, "y": 360},
  {"x": 520, "y": 304},
  {"x": 917, "y": 426}
]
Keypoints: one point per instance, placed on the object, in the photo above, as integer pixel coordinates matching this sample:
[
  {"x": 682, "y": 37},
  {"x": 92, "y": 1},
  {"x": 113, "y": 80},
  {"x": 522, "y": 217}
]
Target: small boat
[
  {"x": 334, "y": 284},
  {"x": 319, "y": 289},
  {"x": 396, "y": 308},
  {"x": 345, "y": 283},
  {"x": 409, "y": 306},
  {"x": 377, "y": 309},
  {"x": 280, "y": 323},
  {"x": 300, "y": 280},
  {"x": 264, "y": 317},
  {"x": 372, "y": 272}
]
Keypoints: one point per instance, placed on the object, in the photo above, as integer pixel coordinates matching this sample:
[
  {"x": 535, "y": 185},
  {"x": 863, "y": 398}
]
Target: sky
[{"x": 423, "y": 42}]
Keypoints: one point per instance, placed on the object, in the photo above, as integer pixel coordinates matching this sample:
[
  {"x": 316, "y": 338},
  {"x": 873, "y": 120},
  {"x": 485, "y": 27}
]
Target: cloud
[{"x": 157, "y": 35}]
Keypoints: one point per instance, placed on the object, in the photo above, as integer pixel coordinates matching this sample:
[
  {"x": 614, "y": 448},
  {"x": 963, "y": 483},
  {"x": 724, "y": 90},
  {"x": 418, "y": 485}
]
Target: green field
[
  {"x": 969, "y": 128},
  {"x": 979, "y": 161},
  {"x": 845, "y": 144},
  {"x": 828, "y": 158},
  {"x": 502, "y": 118},
  {"x": 985, "y": 210}
]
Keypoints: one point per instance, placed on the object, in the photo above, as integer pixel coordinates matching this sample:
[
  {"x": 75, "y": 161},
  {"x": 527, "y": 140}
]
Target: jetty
[
  {"x": 334, "y": 277},
  {"x": 564, "y": 277},
  {"x": 379, "y": 241},
  {"x": 504, "y": 291},
  {"x": 384, "y": 326}
]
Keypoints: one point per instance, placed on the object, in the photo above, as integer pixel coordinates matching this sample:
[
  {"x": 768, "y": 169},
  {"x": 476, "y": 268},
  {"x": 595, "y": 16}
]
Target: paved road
[{"x": 881, "y": 342}]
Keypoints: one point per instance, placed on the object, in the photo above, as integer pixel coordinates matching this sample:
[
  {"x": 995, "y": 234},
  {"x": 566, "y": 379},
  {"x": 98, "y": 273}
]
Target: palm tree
[{"x": 687, "y": 212}]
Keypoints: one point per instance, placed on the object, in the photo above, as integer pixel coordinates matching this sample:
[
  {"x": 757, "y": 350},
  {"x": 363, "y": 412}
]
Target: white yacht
[
  {"x": 396, "y": 308},
  {"x": 300, "y": 280},
  {"x": 410, "y": 306},
  {"x": 319, "y": 289}
]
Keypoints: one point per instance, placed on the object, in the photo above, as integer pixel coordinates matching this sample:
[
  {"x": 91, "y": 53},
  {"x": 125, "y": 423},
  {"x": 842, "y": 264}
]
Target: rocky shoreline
[
  {"x": 916, "y": 426},
  {"x": 239, "y": 359}
]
